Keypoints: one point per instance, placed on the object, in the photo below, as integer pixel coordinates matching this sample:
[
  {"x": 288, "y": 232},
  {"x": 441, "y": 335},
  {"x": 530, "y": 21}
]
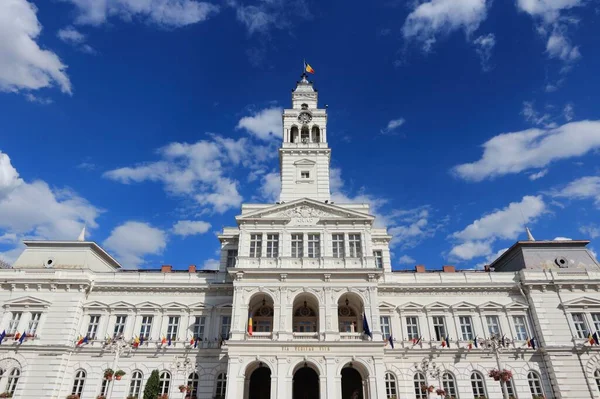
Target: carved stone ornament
[{"x": 304, "y": 211}]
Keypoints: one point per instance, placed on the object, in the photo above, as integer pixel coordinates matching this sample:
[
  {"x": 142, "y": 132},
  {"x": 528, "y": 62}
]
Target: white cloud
[
  {"x": 23, "y": 64},
  {"x": 265, "y": 124},
  {"x": 186, "y": 228},
  {"x": 72, "y": 36},
  {"x": 392, "y": 126},
  {"x": 271, "y": 187},
  {"x": 264, "y": 15},
  {"x": 548, "y": 10},
  {"x": 166, "y": 13},
  {"x": 38, "y": 100},
  {"x": 587, "y": 187},
  {"x": 199, "y": 170},
  {"x": 591, "y": 231},
  {"x": 559, "y": 46},
  {"x": 406, "y": 260},
  {"x": 538, "y": 175},
  {"x": 476, "y": 239},
  {"x": 9, "y": 177},
  {"x": 562, "y": 239},
  {"x": 533, "y": 116},
  {"x": 568, "y": 112},
  {"x": 211, "y": 264},
  {"x": 510, "y": 153},
  {"x": 433, "y": 18},
  {"x": 132, "y": 241},
  {"x": 483, "y": 46}
]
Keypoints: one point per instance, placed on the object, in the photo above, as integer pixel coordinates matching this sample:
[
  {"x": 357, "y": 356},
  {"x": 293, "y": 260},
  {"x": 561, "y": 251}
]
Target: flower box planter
[
  {"x": 440, "y": 392},
  {"x": 74, "y": 396},
  {"x": 100, "y": 397},
  {"x": 184, "y": 388},
  {"x": 108, "y": 374},
  {"x": 119, "y": 374},
  {"x": 9, "y": 395}
]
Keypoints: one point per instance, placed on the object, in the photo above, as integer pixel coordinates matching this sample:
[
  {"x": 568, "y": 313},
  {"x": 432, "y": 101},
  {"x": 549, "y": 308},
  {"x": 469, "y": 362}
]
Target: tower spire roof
[
  {"x": 82, "y": 234},
  {"x": 529, "y": 235}
]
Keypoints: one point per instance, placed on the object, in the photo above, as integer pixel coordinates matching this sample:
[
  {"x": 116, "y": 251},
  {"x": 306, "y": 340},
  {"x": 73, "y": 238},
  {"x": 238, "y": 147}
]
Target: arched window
[
  {"x": 510, "y": 387},
  {"x": 262, "y": 319},
  {"x": 305, "y": 318},
  {"x": 449, "y": 385},
  {"x": 13, "y": 379},
  {"x": 390, "y": 386},
  {"x": 348, "y": 319},
  {"x": 597, "y": 378},
  {"x": 316, "y": 134},
  {"x": 104, "y": 387},
  {"x": 192, "y": 382},
  {"x": 478, "y": 385},
  {"x": 221, "y": 386},
  {"x": 304, "y": 134},
  {"x": 535, "y": 384},
  {"x": 294, "y": 134},
  {"x": 164, "y": 382},
  {"x": 136, "y": 383},
  {"x": 78, "y": 383},
  {"x": 420, "y": 386}
]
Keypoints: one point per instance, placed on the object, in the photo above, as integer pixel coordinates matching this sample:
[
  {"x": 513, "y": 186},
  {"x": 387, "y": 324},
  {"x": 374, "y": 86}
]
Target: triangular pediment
[
  {"x": 583, "y": 302},
  {"x": 148, "y": 306},
  {"x": 463, "y": 306},
  {"x": 305, "y": 162},
  {"x": 517, "y": 306},
  {"x": 387, "y": 307},
  {"x": 95, "y": 305},
  {"x": 438, "y": 306},
  {"x": 305, "y": 208},
  {"x": 121, "y": 305},
  {"x": 198, "y": 306},
  {"x": 411, "y": 306},
  {"x": 491, "y": 306},
  {"x": 174, "y": 306},
  {"x": 27, "y": 302}
]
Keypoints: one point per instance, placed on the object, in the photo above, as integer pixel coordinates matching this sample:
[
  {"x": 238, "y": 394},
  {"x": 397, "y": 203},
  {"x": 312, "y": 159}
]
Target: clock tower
[{"x": 304, "y": 156}]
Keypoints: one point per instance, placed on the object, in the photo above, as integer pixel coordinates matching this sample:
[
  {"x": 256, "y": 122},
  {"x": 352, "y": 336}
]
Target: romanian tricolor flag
[
  {"x": 163, "y": 340},
  {"x": 136, "y": 342},
  {"x": 18, "y": 335},
  {"x": 443, "y": 342},
  {"x": 308, "y": 68},
  {"x": 591, "y": 339},
  {"x": 250, "y": 321},
  {"x": 470, "y": 345}
]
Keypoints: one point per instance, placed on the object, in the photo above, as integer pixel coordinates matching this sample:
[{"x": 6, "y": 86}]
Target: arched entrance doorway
[
  {"x": 352, "y": 387},
  {"x": 306, "y": 383},
  {"x": 260, "y": 384}
]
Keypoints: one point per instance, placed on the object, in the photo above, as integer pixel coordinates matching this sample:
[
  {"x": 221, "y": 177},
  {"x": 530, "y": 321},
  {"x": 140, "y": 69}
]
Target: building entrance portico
[
  {"x": 259, "y": 383},
  {"x": 305, "y": 383},
  {"x": 353, "y": 383}
]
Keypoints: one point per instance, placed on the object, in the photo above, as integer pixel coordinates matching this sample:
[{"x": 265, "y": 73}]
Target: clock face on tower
[{"x": 304, "y": 117}]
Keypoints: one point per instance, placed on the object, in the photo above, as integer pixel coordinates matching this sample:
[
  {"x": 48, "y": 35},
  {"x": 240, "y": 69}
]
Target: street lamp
[
  {"x": 496, "y": 345},
  {"x": 183, "y": 366},
  {"x": 117, "y": 346},
  {"x": 431, "y": 369}
]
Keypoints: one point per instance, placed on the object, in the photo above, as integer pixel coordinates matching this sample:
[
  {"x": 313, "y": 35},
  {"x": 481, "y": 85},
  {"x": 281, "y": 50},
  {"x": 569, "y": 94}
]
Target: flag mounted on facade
[
  {"x": 136, "y": 342},
  {"x": 141, "y": 339},
  {"x": 163, "y": 340},
  {"x": 169, "y": 343},
  {"x": 470, "y": 345},
  {"x": 475, "y": 343},
  {"x": 595, "y": 336},
  {"x": 532, "y": 342},
  {"x": 196, "y": 342},
  {"x": 591, "y": 339},
  {"x": 18, "y": 335},
  {"x": 2, "y": 336},
  {"x": 443, "y": 342},
  {"x": 249, "y": 323},
  {"x": 391, "y": 341},
  {"x": 366, "y": 328},
  {"x": 448, "y": 340},
  {"x": 23, "y": 336},
  {"x": 79, "y": 340},
  {"x": 308, "y": 68}
]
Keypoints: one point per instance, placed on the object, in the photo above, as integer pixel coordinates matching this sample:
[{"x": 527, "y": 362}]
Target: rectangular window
[
  {"x": 354, "y": 244},
  {"x": 596, "y": 319},
  {"x": 378, "y": 259},
  {"x": 231, "y": 257},
  {"x": 305, "y": 174},
  {"x": 119, "y": 326},
  {"x": 255, "y": 245},
  {"x": 439, "y": 327},
  {"x": 580, "y": 326},
  {"x": 33, "y": 323},
  {"x": 493, "y": 324},
  {"x": 466, "y": 327},
  {"x": 172, "y": 327},
  {"x": 297, "y": 245},
  {"x": 412, "y": 327},
  {"x": 198, "y": 327},
  {"x": 14, "y": 322},
  {"x": 305, "y": 326},
  {"x": 104, "y": 387},
  {"x": 93, "y": 326},
  {"x": 520, "y": 328},
  {"x": 314, "y": 245},
  {"x": 272, "y": 245},
  {"x": 146, "y": 327},
  {"x": 225, "y": 326},
  {"x": 386, "y": 326},
  {"x": 338, "y": 245},
  {"x": 263, "y": 326}
]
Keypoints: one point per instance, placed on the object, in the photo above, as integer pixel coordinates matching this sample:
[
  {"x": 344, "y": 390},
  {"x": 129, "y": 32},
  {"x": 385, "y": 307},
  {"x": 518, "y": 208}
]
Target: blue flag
[
  {"x": 475, "y": 343},
  {"x": 22, "y": 338},
  {"x": 141, "y": 339},
  {"x": 595, "y": 336},
  {"x": 448, "y": 340},
  {"x": 2, "y": 336},
  {"x": 391, "y": 341},
  {"x": 169, "y": 344},
  {"x": 533, "y": 342},
  {"x": 366, "y": 328},
  {"x": 195, "y": 342}
]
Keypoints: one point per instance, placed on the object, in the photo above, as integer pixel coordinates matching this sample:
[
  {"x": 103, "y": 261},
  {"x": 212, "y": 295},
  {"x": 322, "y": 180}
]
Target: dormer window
[{"x": 304, "y": 106}]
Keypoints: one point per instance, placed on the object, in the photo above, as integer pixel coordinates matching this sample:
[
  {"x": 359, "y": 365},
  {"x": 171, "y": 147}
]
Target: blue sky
[{"x": 151, "y": 121}]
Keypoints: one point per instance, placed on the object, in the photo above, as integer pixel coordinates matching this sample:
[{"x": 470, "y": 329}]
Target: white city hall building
[{"x": 312, "y": 275}]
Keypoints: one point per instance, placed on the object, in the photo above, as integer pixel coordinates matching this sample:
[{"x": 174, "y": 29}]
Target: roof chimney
[
  {"x": 448, "y": 269},
  {"x": 192, "y": 268},
  {"x": 420, "y": 268},
  {"x": 166, "y": 268}
]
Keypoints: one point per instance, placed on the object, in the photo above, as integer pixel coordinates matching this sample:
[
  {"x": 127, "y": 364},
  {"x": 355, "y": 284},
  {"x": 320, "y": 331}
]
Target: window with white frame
[
  {"x": 78, "y": 383},
  {"x": 390, "y": 386},
  {"x": 221, "y": 387},
  {"x": 225, "y": 326},
  {"x": 13, "y": 324},
  {"x": 337, "y": 242},
  {"x": 297, "y": 245},
  {"x": 255, "y": 245},
  {"x": 597, "y": 378},
  {"x": 164, "y": 381},
  {"x": 135, "y": 387},
  {"x": 535, "y": 384},
  {"x": 466, "y": 327},
  {"x": 378, "y": 259},
  {"x": 580, "y": 325},
  {"x": 305, "y": 174},
  {"x": 272, "y": 245},
  {"x": 354, "y": 245},
  {"x": 449, "y": 385},
  {"x": 596, "y": 320},
  {"x": 493, "y": 325},
  {"x": 439, "y": 327},
  {"x": 119, "y": 326},
  {"x": 104, "y": 387},
  {"x": 510, "y": 387},
  {"x": 13, "y": 380},
  {"x": 314, "y": 245},
  {"x": 520, "y": 328},
  {"x": 92, "y": 329},
  {"x": 419, "y": 382},
  {"x": 34, "y": 323},
  {"x": 231, "y": 257},
  {"x": 198, "y": 327},
  {"x": 386, "y": 327},
  {"x": 478, "y": 385},
  {"x": 412, "y": 327},
  {"x": 192, "y": 384},
  {"x": 146, "y": 327},
  {"x": 172, "y": 327}
]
